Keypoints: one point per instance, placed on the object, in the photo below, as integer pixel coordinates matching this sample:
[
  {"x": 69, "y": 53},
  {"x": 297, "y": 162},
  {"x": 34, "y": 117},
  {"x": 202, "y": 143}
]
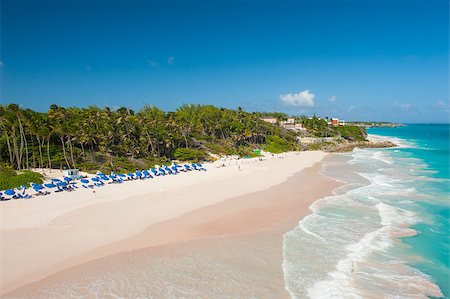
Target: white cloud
[
  {"x": 403, "y": 107},
  {"x": 301, "y": 99},
  {"x": 170, "y": 60},
  {"x": 442, "y": 106},
  {"x": 332, "y": 99},
  {"x": 152, "y": 63},
  {"x": 350, "y": 109}
]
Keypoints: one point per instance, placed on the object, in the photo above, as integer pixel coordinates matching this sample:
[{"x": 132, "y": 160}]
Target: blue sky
[{"x": 357, "y": 60}]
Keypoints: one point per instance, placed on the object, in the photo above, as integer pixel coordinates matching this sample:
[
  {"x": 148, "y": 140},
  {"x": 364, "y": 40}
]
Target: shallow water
[
  {"x": 206, "y": 268},
  {"x": 384, "y": 233}
]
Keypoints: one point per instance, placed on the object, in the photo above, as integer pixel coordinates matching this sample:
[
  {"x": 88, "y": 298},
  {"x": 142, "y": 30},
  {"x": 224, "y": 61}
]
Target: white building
[
  {"x": 289, "y": 121},
  {"x": 269, "y": 119},
  {"x": 72, "y": 173}
]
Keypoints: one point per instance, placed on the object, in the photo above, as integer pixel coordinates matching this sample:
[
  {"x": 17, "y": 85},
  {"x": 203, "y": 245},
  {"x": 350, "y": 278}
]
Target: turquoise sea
[{"x": 386, "y": 232}]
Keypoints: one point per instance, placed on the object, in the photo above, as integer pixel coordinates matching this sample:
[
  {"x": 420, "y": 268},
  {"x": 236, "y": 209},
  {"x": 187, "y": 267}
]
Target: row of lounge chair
[
  {"x": 68, "y": 184},
  {"x": 101, "y": 179}
]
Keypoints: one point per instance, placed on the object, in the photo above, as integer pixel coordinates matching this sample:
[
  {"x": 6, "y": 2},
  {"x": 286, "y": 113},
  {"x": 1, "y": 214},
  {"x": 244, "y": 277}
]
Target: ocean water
[{"x": 386, "y": 232}]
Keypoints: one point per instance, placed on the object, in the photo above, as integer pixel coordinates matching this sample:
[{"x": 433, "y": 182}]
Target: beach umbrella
[
  {"x": 9, "y": 192},
  {"x": 67, "y": 179},
  {"x": 86, "y": 181},
  {"x": 50, "y": 185},
  {"x": 121, "y": 175},
  {"x": 56, "y": 180},
  {"x": 112, "y": 177},
  {"x": 94, "y": 179}
]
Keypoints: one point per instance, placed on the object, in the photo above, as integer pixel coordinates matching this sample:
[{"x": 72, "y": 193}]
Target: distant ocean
[{"x": 386, "y": 232}]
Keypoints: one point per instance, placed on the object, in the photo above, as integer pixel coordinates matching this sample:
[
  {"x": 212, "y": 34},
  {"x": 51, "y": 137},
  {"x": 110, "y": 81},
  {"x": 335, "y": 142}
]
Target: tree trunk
[
  {"x": 64, "y": 151},
  {"x": 71, "y": 152},
  {"x": 41, "y": 162},
  {"x": 48, "y": 154},
  {"x": 185, "y": 140},
  {"x": 111, "y": 161},
  {"x": 16, "y": 150},
  {"x": 150, "y": 141},
  {"x": 26, "y": 149},
  {"x": 32, "y": 146},
  {"x": 11, "y": 157},
  {"x": 22, "y": 140},
  {"x": 82, "y": 148}
]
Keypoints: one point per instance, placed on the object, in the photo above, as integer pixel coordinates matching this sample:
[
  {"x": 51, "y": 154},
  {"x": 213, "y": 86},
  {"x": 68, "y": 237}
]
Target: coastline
[
  {"x": 383, "y": 196},
  {"x": 211, "y": 214}
]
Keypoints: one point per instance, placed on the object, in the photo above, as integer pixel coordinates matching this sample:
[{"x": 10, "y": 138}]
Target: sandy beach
[{"x": 210, "y": 217}]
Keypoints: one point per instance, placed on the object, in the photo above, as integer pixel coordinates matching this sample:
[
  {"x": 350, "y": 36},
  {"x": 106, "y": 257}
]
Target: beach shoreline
[{"x": 247, "y": 209}]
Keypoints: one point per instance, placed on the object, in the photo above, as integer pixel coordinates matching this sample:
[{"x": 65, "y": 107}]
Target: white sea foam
[
  {"x": 340, "y": 282},
  {"x": 303, "y": 226},
  {"x": 379, "y": 179},
  {"x": 382, "y": 157},
  {"x": 396, "y": 216},
  {"x": 401, "y": 143},
  {"x": 350, "y": 236}
]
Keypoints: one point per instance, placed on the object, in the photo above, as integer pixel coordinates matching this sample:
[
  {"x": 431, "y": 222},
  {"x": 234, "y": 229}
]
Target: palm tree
[
  {"x": 59, "y": 115},
  {"x": 5, "y": 125}
]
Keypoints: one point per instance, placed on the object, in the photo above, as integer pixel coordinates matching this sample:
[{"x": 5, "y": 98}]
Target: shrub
[
  {"x": 351, "y": 133},
  {"x": 10, "y": 179},
  {"x": 277, "y": 145},
  {"x": 320, "y": 146},
  {"x": 187, "y": 154}
]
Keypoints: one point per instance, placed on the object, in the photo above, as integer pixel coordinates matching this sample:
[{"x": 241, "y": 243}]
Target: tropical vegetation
[
  {"x": 106, "y": 139},
  {"x": 9, "y": 178}
]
